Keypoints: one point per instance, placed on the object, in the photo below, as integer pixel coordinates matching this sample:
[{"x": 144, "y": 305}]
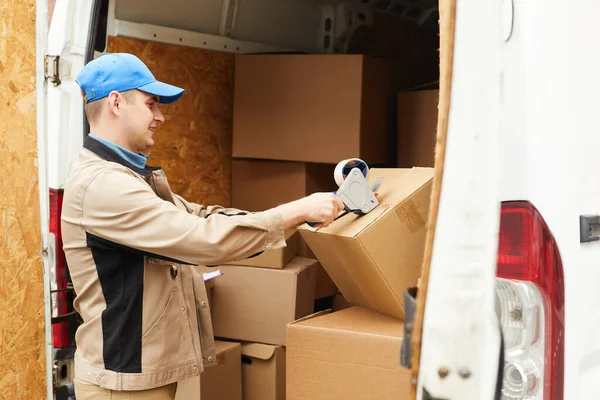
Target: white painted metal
[
  {"x": 41, "y": 26},
  {"x": 162, "y": 34},
  {"x": 190, "y": 15},
  {"x": 461, "y": 330},
  {"x": 67, "y": 38},
  {"x": 563, "y": 141}
]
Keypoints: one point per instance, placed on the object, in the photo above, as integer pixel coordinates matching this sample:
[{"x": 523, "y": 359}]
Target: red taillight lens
[
  {"x": 528, "y": 252},
  {"x": 61, "y": 329}
]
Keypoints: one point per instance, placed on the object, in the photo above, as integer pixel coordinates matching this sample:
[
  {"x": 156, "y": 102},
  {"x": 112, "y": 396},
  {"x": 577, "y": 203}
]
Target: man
[{"x": 132, "y": 245}]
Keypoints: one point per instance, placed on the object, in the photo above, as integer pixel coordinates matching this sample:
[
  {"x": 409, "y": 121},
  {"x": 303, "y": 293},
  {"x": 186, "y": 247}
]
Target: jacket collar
[{"x": 108, "y": 154}]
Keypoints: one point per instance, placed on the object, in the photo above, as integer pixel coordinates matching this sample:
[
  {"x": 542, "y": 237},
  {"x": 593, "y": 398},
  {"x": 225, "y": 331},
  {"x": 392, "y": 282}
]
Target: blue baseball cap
[{"x": 122, "y": 72}]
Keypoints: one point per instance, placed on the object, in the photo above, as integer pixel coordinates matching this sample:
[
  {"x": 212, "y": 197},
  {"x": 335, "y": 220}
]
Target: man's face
[{"x": 140, "y": 115}]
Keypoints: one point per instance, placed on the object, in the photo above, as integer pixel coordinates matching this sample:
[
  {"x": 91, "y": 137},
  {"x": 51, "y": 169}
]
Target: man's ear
[{"x": 114, "y": 100}]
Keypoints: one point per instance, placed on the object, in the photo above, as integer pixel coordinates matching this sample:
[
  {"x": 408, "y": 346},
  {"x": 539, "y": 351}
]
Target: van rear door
[
  {"x": 459, "y": 352},
  {"x": 61, "y": 134}
]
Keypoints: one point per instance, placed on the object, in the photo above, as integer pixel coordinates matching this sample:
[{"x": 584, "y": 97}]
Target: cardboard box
[
  {"x": 284, "y": 110},
  {"x": 263, "y": 372},
  {"x": 255, "y": 304},
  {"x": 324, "y": 286},
  {"x": 276, "y": 258},
  {"x": 349, "y": 354},
  {"x": 221, "y": 382},
  {"x": 373, "y": 258},
  {"x": 340, "y": 303},
  {"x": 417, "y": 128},
  {"x": 257, "y": 185}
]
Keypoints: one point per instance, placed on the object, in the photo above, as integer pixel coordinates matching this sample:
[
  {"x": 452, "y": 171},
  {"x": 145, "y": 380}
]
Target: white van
[{"x": 513, "y": 251}]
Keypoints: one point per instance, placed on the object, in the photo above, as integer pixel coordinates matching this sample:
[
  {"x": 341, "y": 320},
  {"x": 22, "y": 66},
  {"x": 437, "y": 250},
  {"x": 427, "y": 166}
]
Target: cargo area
[{"x": 278, "y": 93}]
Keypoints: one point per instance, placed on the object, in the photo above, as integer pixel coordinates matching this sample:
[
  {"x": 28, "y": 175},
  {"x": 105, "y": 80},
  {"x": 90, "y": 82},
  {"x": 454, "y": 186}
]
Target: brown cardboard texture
[
  {"x": 221, "y": 382},
  {"x": 324, "y": 286},
  {"x": 255, "y": 304},
  {"x": 340, "y": 303},
  {"x": 349, "y": 354},
  {"x": 263, "y": 372},
  {"x": 417, "y": 128},
  {"x": 283, "y": 110},
  {"x": 373, "y": 258},
  {"x": 275, "y": 258},
  {"x": 258, "y": 185}
]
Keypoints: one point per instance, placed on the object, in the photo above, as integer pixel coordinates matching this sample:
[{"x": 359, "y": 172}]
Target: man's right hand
[{"x": 319, "y": 208}]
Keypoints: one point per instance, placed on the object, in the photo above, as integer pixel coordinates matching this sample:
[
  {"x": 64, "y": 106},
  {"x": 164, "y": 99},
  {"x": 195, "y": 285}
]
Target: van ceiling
[
  {"x": 290, "y": 23},
  {"x": 294, "y": 24}
]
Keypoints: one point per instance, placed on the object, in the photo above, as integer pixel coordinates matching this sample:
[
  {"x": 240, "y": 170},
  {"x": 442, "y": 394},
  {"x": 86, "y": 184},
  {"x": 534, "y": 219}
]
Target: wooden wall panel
[
  {"x": 22, "y": 357},
  {"x": 193, "y": 146}
]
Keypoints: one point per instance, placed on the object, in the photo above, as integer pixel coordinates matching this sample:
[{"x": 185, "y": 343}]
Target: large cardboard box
[
  {"x": 417, "y": 128},
  {"x": 312, "y": 108},
  {"x": 257, "y": 185},
  {"x": 221, "y": 382},
  {"x": 263, "y": 372},
  {"x": 373, "y": 258},
  {"x": 349, "y": 354},
  {"x": 255, "y": 304},
  {"x": 275, "y": 258}
]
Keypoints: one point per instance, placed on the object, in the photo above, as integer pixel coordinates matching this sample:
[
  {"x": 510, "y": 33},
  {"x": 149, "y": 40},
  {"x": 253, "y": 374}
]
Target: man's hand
[{"x": 320, "y": 208}]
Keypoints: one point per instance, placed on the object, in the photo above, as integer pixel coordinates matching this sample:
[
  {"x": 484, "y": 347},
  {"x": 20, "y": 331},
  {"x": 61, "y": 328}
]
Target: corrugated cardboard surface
[
  {"x": 373, "y": 258},
  {"x": 417, "y": 128},
  {"x": 221, "y": 382},
  {"x": 283, "y": 110},
  {"x": 276, "y": 258},
  {"x": 255, "y": 304},
  {"x": 258, "y": 185},
  {"x": 263, "y": 372},
  {"x": 349, "y": 354}
]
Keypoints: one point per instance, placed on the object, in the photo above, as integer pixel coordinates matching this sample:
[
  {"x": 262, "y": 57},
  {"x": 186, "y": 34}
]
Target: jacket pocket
[
  {"x": 167, "y": 343},
  {"x": 159, "y": 321}
]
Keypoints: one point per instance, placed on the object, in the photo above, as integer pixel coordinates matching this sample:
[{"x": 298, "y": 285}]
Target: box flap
[
  {"x": 311, "y": 316},
  {"x": 398, "y": 184},
  {"x": 258, "y": 350},
  {"x": 222, "y": 346}
]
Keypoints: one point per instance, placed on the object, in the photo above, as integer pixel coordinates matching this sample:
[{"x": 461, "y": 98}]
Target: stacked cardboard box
[
  {"x": 353, "y": 351},
  {"x": 349, "y": 354},
  {"x": 290, "y": 127}
]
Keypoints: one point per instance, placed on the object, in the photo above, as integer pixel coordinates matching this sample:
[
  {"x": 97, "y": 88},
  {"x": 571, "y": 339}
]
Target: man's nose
[{"x": 158, "y": 116}]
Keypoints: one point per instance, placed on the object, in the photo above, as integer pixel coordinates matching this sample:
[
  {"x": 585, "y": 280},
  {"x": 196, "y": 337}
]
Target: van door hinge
[
  {"x": 51, "y": 70},
  {"x": 589, "y": 227}
]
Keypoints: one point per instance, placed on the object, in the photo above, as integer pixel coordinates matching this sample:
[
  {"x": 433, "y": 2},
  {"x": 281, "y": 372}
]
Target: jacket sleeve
[
  {"x": 123, "y": 209},
  {"x": 203, "y": 211}
]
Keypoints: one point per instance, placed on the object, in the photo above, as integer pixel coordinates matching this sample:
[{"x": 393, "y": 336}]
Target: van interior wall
[
  {"x": 22, "y": 355},
  {"x": 193, "y": 146}
]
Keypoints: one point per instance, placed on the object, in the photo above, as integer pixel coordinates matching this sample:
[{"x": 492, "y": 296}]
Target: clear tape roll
[{"x": 345, "y": 166}]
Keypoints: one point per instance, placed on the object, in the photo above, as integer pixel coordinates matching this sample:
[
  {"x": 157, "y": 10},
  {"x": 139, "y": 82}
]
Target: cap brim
[{"x": 166, "y": 93}]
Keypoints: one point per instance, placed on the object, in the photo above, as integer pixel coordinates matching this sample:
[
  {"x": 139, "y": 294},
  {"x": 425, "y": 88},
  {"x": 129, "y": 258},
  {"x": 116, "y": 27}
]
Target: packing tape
[{"x": 345, "y": 166}]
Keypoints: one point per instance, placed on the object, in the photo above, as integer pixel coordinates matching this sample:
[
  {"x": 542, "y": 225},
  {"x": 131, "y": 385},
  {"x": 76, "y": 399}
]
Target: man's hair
[{"x": 94, "y": 109}]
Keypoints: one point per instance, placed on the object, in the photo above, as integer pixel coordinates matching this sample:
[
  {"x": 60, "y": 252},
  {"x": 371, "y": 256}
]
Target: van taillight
[
  {"x": 60, "y": 330},
  {"x": 530, "y": 300}
]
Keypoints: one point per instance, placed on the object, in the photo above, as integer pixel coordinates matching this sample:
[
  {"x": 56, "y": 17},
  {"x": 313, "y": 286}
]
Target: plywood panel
[
  {"x": 194, "y": 144},
  {"x": 22, "y": 358}
]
